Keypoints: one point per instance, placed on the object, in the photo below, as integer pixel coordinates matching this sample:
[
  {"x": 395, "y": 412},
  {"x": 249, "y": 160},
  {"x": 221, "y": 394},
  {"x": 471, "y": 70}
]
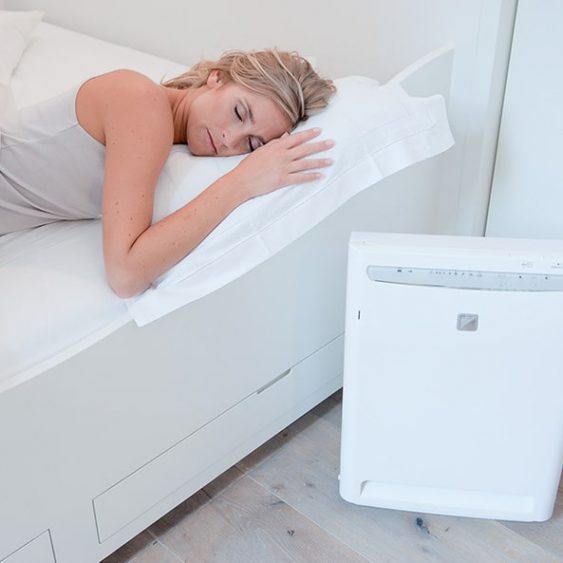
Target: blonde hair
[{"x": 285, "y": 77}]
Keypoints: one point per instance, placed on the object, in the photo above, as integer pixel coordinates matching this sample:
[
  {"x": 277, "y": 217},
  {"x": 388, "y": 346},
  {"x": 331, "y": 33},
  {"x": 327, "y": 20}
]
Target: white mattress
[
  {"x": 54, "y": 298},
  {"x": 55, "y": 301}
]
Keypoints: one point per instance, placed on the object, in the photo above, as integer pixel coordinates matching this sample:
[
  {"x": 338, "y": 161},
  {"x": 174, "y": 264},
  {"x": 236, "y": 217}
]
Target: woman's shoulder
[
  {"x": 119, "y": 96},
  {"x": 123, "y": 82}
]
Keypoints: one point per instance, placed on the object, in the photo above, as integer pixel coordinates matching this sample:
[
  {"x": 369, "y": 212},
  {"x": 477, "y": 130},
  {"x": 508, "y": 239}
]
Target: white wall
[
  {"x": 372, "y": 37},
  {"x": 527, "y": 196}
]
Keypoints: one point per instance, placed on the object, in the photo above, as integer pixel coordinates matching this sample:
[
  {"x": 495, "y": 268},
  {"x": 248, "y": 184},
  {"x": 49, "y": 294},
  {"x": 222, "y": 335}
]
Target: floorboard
[
  {"x": 547, "y": 534},
  {"x": 247, "y": 524},
  {"x": 281, "y": 503}
]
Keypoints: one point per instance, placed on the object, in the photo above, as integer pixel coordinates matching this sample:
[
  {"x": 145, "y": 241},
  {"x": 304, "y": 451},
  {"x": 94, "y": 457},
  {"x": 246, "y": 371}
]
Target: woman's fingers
[
  {"x": 310, "y": 163},
  {"x": 308, "y": 149},
  {"x": 299, "y": 144},
  {"x": 300, "y": 148},
  {"x": 296, "y": 139},
  {"x": 284, "y": 161},
  {"x": 302, "y": 177}
]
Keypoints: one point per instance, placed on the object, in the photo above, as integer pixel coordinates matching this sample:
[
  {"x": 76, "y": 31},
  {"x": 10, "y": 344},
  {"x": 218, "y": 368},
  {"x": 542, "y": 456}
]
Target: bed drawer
[
  {"x": 226, "y": 438},
  {"x": 38, "y": 550}
]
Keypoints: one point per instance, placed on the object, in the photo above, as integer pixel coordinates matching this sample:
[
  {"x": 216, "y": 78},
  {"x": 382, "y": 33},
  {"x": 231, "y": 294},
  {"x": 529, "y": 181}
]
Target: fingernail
[
  {"x": 329, "y": 143},
  {"x": 316, "y": 129}
]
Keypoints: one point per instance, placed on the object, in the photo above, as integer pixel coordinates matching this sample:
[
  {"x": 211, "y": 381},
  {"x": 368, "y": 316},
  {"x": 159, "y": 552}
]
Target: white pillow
[
  {"x": 378, "y": 130},
  {"x": 15, "y": 31}
]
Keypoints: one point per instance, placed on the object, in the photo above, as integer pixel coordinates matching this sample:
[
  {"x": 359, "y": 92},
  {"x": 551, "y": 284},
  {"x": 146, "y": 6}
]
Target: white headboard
[{"x": 431, "y": 74}]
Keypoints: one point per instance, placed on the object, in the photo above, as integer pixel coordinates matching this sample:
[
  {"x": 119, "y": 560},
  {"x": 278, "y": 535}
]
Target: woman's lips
[{"x": 213, "y": 147}]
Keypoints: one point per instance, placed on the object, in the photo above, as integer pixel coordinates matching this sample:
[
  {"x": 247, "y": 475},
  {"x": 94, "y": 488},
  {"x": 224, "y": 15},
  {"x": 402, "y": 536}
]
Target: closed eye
[
  {"x": 237, "y": 113},
  {"x": 254, "y": 143}
]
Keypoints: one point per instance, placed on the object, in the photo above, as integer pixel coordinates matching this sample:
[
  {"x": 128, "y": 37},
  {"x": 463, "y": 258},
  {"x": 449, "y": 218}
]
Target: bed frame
[{"x": 105, "y": 443}]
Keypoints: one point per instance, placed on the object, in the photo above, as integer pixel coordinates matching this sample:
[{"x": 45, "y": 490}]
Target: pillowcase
[
  {"x": 15, "y": 31},
  {"x": 378, "y": 131}
]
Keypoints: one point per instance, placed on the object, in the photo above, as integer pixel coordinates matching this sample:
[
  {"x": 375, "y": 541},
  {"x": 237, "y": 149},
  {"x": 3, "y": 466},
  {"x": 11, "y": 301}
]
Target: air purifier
[{"x": 453, "y": 376}]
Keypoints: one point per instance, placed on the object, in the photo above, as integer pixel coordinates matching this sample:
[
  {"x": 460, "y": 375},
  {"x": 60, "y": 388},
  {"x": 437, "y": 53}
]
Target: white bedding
[
  {"x": 55, "y": 301},
  {"x": 57, "y": 59},
  {"x": 58, "y": 300}
]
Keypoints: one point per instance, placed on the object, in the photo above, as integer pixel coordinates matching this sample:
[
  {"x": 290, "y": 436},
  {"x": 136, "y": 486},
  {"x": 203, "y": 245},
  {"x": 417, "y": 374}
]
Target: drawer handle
[{"x": 275, "y": 380}]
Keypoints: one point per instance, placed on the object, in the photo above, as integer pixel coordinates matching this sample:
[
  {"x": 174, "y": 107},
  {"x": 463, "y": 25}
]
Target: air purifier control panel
[{"x": 466, "y": 279}]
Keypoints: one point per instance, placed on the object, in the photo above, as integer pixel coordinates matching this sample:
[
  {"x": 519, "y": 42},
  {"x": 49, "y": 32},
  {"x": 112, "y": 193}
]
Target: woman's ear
[{"x": 215, "y": 78}]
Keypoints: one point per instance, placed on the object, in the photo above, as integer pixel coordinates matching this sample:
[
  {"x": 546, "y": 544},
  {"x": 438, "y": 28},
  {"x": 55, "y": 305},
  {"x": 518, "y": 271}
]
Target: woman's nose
[{"x": 234, "y": 140}]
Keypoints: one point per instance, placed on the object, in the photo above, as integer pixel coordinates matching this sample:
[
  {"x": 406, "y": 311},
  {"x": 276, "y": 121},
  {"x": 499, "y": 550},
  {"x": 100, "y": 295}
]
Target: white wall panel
[{"x": 527, "y": 195}]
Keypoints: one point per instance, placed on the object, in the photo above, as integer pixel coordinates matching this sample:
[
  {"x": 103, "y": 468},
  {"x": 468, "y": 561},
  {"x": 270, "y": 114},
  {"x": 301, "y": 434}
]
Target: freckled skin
[{"x": 138, "y": 121}]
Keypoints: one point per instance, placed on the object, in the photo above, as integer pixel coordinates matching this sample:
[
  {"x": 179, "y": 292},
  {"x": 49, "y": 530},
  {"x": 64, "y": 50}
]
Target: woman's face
[{"x": 225, "y": 119}]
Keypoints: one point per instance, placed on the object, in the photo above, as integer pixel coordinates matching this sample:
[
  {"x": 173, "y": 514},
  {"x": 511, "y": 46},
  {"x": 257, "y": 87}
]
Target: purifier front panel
[{"x": 453, "y": 398}]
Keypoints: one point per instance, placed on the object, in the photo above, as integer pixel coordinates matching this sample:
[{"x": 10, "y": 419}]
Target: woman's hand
[{"x": 282, "y": 162}]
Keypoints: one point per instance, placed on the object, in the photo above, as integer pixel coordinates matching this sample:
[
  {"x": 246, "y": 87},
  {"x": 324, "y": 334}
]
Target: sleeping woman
[{"x": 99, "y": 150}]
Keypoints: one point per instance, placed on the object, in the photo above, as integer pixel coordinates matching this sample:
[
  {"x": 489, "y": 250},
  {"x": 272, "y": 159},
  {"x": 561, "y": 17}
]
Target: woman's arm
[{"x": 138, "y": 134}]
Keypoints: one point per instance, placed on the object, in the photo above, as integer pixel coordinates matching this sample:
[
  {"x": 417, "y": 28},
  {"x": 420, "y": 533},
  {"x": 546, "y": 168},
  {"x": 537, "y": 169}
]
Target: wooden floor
[{"x": 281, "y": 504}]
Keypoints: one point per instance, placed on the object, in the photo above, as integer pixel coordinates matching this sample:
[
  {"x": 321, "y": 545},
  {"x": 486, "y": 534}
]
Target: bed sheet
[{"x": 54, "y": 298}]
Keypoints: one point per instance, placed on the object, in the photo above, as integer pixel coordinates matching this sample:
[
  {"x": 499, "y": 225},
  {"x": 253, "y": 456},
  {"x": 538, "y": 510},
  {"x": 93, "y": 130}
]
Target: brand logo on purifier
[{"x": 467, "y": 321}]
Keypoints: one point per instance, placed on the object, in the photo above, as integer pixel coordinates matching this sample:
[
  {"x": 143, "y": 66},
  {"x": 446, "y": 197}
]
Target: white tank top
[{"x": 50, "y": 167}]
